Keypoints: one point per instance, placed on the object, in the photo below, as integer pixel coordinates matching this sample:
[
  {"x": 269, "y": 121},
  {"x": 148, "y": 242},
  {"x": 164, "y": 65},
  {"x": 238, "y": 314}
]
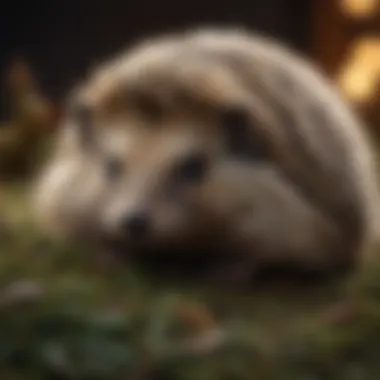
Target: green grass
[{"x": 64, "y": 315}]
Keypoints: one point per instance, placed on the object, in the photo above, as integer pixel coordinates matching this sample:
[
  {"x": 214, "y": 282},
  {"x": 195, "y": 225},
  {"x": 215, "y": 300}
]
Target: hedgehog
[{"x": 213, "y": 142}]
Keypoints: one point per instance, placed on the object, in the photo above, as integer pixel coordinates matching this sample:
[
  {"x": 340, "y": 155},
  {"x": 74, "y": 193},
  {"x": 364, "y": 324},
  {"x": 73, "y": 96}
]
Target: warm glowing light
[
  {"x": 359, "y": 8},
  {"x": 359, "y": 78}
]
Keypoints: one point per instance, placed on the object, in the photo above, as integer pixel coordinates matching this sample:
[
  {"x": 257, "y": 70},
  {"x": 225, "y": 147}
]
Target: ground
[{"x": 65, "y": 315}]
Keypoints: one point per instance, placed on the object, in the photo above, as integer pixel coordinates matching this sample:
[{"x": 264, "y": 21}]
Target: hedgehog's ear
[
  {"x": 241, "y": 137},
  {"x": 81, "y": 117}
]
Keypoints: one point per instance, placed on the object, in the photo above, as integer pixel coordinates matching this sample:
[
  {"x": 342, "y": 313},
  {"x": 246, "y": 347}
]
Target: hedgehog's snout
[{"x": 136, "y": 225}]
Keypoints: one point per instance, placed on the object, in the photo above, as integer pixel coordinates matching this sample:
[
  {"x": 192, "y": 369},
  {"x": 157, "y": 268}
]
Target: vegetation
[{"x": 65, "y": 315}]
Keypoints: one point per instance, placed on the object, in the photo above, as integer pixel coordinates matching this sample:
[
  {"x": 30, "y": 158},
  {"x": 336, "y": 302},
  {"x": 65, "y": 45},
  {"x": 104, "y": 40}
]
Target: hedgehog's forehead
[{"x": 154, "y": 148}]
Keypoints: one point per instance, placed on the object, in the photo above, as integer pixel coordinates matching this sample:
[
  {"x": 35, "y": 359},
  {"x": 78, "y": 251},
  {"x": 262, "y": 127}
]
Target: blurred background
[
  {"x": 61, "y": 40},
  {"x": 65, "y": 314}
]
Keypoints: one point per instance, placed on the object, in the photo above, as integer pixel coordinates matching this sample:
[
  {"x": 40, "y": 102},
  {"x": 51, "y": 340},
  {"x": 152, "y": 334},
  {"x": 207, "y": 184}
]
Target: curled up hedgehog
[{"x": 217, "y": 141}]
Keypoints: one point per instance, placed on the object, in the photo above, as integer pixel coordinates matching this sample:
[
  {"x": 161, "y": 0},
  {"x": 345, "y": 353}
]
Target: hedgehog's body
[{"x": 180, "y": 112}]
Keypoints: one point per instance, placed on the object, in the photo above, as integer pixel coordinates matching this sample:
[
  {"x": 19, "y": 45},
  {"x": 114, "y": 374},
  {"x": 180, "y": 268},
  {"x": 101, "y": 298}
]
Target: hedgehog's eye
[
  {"x": 113, "y": 169},
  {"x": 192, "y": 169},
  {"x": 242, "y": 139}
]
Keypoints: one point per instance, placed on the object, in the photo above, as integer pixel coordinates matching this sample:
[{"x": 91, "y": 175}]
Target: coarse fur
[{"x": 270, "y": 128}]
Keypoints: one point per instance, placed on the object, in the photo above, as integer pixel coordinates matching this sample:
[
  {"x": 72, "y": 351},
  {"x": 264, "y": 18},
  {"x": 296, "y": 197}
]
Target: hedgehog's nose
[{"x": 136, "y": 225}]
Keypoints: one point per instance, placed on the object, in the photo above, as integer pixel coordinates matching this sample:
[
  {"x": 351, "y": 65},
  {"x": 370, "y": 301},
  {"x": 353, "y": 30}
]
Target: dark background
[{"x": 60, "y": 39}]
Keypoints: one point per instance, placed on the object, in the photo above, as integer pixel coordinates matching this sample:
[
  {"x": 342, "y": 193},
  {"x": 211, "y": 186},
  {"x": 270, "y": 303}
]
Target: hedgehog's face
[
  {"x": 152, "y": 185},
  {"x": 151, "y": 177}
]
